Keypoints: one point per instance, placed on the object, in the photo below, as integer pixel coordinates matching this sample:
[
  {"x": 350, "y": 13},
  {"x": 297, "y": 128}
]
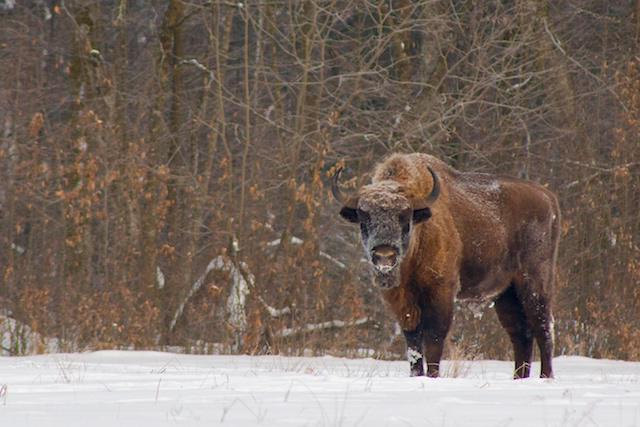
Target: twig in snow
[
  {"x": 331, "y": 324},
  {"x": 194, "y": 288},
  {"x": 160, "y": 281},
  {"x": 3, "y": 394},
  {"x": 294, "y": 241},
  {"x": 298, "y": 241},
  {"x": 333, "y": 260},
  {"x": 274, "y": 312},
  {"x": 158, "y": 389},
  {"x": 242, "y": 282},
  {"x": 199, "y": 66},
  {"x": 19, "y": 249}
]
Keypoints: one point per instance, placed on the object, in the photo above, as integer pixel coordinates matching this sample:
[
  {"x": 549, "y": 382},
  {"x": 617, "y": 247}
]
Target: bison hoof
[{"x": 417, "y": 371}]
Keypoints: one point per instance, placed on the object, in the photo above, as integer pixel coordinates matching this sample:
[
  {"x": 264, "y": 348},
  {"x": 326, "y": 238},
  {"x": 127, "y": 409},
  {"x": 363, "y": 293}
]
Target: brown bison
[{"x": 433, "y": 235}]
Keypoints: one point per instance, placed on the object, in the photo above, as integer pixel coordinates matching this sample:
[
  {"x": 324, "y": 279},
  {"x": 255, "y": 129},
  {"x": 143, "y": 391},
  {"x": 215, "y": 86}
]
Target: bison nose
[{"x": 384, "y": 257}]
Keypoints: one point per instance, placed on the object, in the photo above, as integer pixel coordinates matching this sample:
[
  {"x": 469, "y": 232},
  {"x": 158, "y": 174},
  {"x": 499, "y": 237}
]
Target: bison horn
[
  {"x": 349, "y": 202},
  {"x": 435, "y": 192}
]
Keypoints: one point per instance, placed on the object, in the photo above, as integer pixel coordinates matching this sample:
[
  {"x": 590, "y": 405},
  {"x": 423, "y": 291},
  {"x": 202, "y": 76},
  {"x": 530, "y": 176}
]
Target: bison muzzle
[{"x": 433, "y": 234}]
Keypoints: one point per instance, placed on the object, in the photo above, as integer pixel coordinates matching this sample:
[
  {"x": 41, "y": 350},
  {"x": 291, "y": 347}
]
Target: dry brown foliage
[{"x": 139, "y": 141}]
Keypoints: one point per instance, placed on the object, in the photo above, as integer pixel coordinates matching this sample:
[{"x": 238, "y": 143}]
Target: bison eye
[
  {"x": 421, "y": 215},
  {"x": 349, "y": 214}
]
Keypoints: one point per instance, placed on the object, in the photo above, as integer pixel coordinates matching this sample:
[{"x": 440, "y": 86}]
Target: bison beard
[{"x": 433, "y": 234}]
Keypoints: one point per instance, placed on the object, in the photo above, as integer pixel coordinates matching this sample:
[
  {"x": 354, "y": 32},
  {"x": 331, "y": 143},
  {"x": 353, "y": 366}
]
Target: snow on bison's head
[{"x": 386, "y": 216}]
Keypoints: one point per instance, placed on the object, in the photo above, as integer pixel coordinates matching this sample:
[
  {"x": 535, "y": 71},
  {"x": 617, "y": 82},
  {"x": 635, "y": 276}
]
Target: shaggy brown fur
[{"x": 489, "y": 238}]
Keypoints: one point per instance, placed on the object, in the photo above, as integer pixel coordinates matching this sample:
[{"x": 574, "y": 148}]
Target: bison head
[{"x": 386, "y": 217}]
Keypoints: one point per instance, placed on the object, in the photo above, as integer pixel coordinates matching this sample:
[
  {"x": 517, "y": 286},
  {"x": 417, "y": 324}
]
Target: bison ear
[
  {"x": 349, "y": 214},
  {"x": 421, "y": 215}
]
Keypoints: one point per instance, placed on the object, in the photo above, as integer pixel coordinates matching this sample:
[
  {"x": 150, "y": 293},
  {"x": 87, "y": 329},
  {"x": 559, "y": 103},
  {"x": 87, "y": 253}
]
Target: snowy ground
[{"x": 141, "y": 389}]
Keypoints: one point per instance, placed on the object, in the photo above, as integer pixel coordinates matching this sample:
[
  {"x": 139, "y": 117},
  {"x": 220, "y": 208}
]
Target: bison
[{"x": 434, "y": 235}]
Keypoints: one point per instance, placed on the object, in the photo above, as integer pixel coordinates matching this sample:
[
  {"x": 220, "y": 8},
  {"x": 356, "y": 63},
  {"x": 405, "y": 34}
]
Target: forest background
[{"x": 164, "y": 165}]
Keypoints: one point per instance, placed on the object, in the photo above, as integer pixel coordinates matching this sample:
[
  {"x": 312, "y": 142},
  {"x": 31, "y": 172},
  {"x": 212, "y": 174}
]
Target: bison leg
[
  {"x": 513, "y": 319},
  {"x": 408, "y": 315},
  {"x": 433, "y": 348},
  {"x": 541, "y": 320},
  {"x": 436, "y": 322},
  {"x": 414, "y": 353}
]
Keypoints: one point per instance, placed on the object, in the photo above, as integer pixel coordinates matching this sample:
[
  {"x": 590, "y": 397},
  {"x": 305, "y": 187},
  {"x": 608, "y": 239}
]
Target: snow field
[{"x": 118, "y": 388}]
